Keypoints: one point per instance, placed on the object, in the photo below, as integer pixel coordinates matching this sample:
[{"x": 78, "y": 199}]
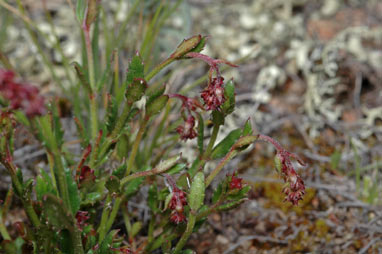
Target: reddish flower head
[
  {"x": 177, "y": 217},
  {"x": 213, "y": 94},
  {"x": 21, "y": 96},
  {"x": 82, "y": 217},
  {"x": 187, "y": 131},
  {"x": 235, "y": 183},
  {"x": 295, "y": 188}
]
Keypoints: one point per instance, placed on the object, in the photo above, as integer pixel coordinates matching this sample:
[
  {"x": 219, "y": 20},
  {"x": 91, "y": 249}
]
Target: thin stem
[
  {"x": 186, "y": 234},
  {"x": 89, "y": 53},
  {"x": 158, "y": 68},
  {"x": 121, "y": 120},
  {"x": 135, "y": 148},
  {"x": 105, "y": 213},
  {"x": 211, "y": 143},
  {"x": 221, "y": 164},
  {"x": 3, "y": 230},
  {"x": 94, "y": 116}
]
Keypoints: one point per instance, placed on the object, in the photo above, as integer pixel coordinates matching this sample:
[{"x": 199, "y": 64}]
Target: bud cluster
[{"x": 177, "y": 203}]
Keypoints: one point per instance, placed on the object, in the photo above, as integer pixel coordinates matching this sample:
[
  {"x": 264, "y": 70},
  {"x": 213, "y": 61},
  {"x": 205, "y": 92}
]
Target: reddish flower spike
[
  {"x": 295, "y": 189},
  {"x": 82, "y": 217},
  {"x": 235, "y": 183},
  {"x": 187, "y": 131},
  {"x": 213, "y": 94}
]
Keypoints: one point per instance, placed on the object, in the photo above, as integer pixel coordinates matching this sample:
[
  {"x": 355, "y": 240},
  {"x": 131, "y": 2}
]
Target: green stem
[
  {"x": 158, "y": 68},
  {"x": 221, "y": 164},
  {"x": 77, "y": 241},
  {"x": 89, "y": 53},
  {"x": 114, "y": 212},
  {"x": 187, "y": 233},
  {"x": 135, "y": 148},
  {"x": 121, "y": 120},
  {"x": 4, "y": 231},
  {"x": 105, "y": 213},
  {"x": 94, "y": 117},
  {"x": 211, "y": 143}
]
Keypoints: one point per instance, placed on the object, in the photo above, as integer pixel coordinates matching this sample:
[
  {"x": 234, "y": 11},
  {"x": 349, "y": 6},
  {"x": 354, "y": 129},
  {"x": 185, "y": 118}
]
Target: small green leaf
[
  {"x": 240, "y": 194},
  {"x": 196, "y": 196},
  {"x": 107, "y": 243},
  {"x": 81, "y": 76},
  {"x": 217, "y": 117},
  {"x": 157, "y": 105},
  {"x": 217, "y": 193},
  {"x": 221, "y": 149},
  {"x": 200, "y": 133},
  {"x": 136, "y": 227},
  {"x": 186, "y": 46},
  {"x": 120, "y": 171},
  {"x": 91, "y": 198},
  {"x": 132, "y": 186},
  {"x": 112, "y": 184},
  {"x": 135, "y": 90},
  {"x": 44, "y": 185},
  {"x": 229, "y": 92},
  {"x": 200, "y": 45},
  {"x": 111, "y": 115},
  {"x": 247, "y": 130},
  {"x": 154, "y": 92},
  {"x": 56, "y": 213},
  {"x": 176, "y": 169},
  {"x": 74, "y": 196},
  {"x": 80, "y": 10},
  {"x": 152, "y": 199},
  {"x": 230, "y": 205}
]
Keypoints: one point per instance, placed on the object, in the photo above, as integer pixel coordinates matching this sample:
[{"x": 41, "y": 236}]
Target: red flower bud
[{"x": 187, "y": 131}]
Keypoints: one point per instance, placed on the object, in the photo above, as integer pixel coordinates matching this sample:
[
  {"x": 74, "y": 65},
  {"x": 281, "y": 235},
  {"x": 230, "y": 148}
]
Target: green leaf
[
  {"x": 120, "y": 171},
  {"x": 200, "y": 45},
  {"x": 80, "y": 10},
  {"x": 111, "y": 115},
  {"x": 217, "y": 117},
  {"x": 200, "y": 133},
  {"x": 135, "y": 90},
  {"x": 154, "y": 92},
  {"x": 91, "y": 198},
  {"x": 221, "y": 149},
  {"x": 82, "y": 77},
  {"x": 112, "y": 184},
  {"x": 56, "y": 213},
  {"x": 132, "y": 186},
  {"x": 74, "y": 197},
  {"x": 135, "y": 70},
  {"x": 152, "y": 199},
  {"x": 44, "y": 185},
  {"x": 65, "y": 242},
  {"x": 197, "y": 192},
  {"x": 57, "y": 127},
  {"x": 136, "y": 227},
  {"x": 229, "y": 92},
  {"x": 217, "y": 193},
  {"x": 176, "y": 169},
  {"x": 247, "y": 130},
  {"x": 107, "y": 243},
  {"x": 242, "y": 193},
  {"x": 186, "y": 46},
  {"x": 230, "y": 205},
  {"x": 156, "y": 105}
]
